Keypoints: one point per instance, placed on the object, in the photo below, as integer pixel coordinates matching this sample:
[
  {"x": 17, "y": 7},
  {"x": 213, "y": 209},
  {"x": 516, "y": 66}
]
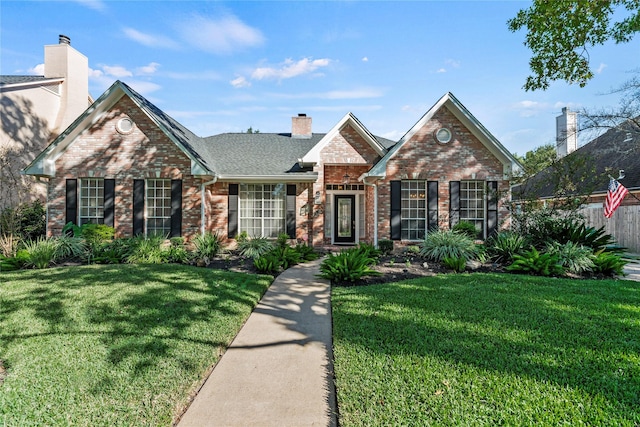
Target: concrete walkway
[
  {"x": 632, "y": 271},
  {"x": 278, "y": 371}
]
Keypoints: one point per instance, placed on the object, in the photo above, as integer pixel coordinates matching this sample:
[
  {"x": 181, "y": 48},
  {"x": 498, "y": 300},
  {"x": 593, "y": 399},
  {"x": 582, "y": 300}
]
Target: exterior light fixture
[{"x": 346, "y": 178}]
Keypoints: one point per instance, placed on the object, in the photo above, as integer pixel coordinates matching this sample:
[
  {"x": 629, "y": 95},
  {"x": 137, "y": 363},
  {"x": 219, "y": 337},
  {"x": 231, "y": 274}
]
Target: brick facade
[{"x": 103, "y": 152}]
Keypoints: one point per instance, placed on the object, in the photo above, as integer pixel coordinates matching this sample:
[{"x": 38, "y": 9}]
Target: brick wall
[
  {"x": 423, "y": 158},
  {"x": 102, "y": 152}
]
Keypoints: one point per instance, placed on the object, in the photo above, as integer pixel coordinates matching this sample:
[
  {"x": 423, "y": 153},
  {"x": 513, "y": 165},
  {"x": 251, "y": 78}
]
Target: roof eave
[{"x": 269, "y": 178}]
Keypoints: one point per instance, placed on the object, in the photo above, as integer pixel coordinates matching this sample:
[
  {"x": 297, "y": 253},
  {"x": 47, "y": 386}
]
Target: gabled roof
[
  {"x": 468, "y": 120},
  {"x": 615, "y": 150},
  {"x": 44, "y": 163},
  {"x": 379, "y": 146}
]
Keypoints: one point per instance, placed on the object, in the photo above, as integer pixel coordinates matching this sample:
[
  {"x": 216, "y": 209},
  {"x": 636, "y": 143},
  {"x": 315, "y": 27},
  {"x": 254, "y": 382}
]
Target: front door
[{"x": 345, "y": 219}]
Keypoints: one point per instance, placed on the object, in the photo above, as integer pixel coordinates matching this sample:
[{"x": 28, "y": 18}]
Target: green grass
[
  {"x": 114, "y": 345},
  {"x": 488, "y": 349}
]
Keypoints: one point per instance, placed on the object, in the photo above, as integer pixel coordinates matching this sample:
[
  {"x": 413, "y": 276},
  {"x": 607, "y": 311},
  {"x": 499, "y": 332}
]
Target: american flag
[{"x": 615, "y": 195}]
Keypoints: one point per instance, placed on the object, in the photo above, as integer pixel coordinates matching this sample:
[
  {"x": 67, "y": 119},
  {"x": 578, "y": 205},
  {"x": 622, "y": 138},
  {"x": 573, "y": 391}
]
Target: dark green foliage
[
  {"x": 146, "y": 250},
  {"x": 254, "y": 247},
  {"x": 537, "y": 263},
  {"x": 268, "y": 264},
  {"x": 348, "y": 266},
  {"x": 503, "y": 246},
  {"x": 307, "y": 253},
  {"x": 206, "y": 246},
  {"x": 573, "y": 257},
  {"x": 594, "y": 238},
  {"x": 71, "y": 248},
  {"x": 441, "y": 244},
  {"x": 456, "y": 264},
  {"x": 282, "y": 240},
  {"x": 370, "y": 251},
  {"x": 385, "y": 246},
  {"x": 176, "y": 252},
  {"x": 42, "y": 252},
  {"x": 27, "y": 221},
  {"x": 467, "y": 228},
  {"x": 20, "y": 260},
  {"x": 608, "y": 264}
]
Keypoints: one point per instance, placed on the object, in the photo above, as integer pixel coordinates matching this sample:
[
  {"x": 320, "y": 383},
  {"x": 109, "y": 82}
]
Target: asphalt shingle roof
[
  {"x": 617, "y": 149},
  {"x": 10, "y": 80}
]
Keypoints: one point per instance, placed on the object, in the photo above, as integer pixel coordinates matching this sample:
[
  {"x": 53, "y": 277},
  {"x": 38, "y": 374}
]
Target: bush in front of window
[
  {"x": 385, "y": 246},
  {"x": 467, "y": 228},
  {"x": 254, "y": 247},
  {"x": 206, "y": 246},
  {"x": 441, "y": 244}
]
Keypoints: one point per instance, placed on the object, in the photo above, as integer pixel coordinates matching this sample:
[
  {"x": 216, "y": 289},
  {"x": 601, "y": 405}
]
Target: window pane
[
  {"x": 262, "y": 209},
  {"x": 91, "y": 201},
  {"x": 413, "y": 213}
]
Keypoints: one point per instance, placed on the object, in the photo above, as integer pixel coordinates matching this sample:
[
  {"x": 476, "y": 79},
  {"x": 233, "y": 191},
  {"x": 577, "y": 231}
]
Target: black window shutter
[
  {"x": 492, "y": 207},
  {"x": 233, "y": 211},
  {"x": 138, "y": 206},
  {"x": 396, "y": 210},
  {"x": 109, "y": 201},
  {"x": 454, "y": 203},
  {"x": 71, "y": 205},
  {"x": 176, "y": 208},
  {"x": 432, "y": 205},
  {"x": 291, "y": 211}
]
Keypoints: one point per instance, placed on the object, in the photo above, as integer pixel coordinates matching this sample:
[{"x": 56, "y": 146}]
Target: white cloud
[
  {"x": 224, "y": 35},
  {"x": 289, "y": 69},
  {"x": 195, "y": 75},
  {"x": 151, "y": 68},
  {"x": 601, "y": 68},
  {"x": 37, "y": 70},
  {"x": 98, "y": 5},
  {"x": 116, "y": 71},
  {"x": 441, "y": 70},
  {"x": 150, "y": 40},
  {"x": 529, "y": 108},
  {"x": 454, "y": 63},
  {"x": 365, "y": 59},
  {"x": 240, "y": 82},
  {"x": 393, "y": 135},
  {"x": 95, "y": 73}
]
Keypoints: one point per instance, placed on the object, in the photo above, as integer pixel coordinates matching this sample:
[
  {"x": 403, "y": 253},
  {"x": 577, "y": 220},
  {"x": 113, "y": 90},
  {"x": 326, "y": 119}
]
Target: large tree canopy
[{"x": 561, "y": 32}]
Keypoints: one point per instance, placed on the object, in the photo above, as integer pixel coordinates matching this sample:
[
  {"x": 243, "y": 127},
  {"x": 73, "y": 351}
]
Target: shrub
[
  {"x": 42, "y": 252},
  {"x": 254, "y": 247},
  {"x": 572, "y": 257},
  {"x": 385, "y": 246},
  {"x": 26, "y": 221},
  {"x": 413, "y": 249},
  {"x": 20, "y": 260},
  {"x": 282, "y": 240},
  {"x": 456, "y": 264},
  {"x": 608, "y": 264},
  {"x": 595, "y": 238},
  {"x": 268, "y": 263},
  {"x": 503, "y": 246},
  {"x": 206, "y": 246},
  {"x": 97, "y": 232},
  {"x": 70, "y": 248},
  {"x": 307, "y": 253},
  {"x": 347, "y": 266},
  {"x": 467, "y": 228},
  {"x": 369, "y": 250},
  {"x": 441, "y": 244},
  {"x": 112, "y": 252},
  {"x": 537, "y": 263},
  {"x": 146, "y": 250}
]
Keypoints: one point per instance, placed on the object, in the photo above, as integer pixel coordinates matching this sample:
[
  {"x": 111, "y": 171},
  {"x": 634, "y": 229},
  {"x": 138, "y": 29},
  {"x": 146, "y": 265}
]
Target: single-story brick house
[{"x": 126, "y": 163}]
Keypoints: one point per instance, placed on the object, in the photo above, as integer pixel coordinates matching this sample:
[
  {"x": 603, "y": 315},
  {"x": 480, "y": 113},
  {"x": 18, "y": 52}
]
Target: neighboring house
[
  {"x": 589, "y": 168},
  {"x": 125, "y": 163},
  {"x": 35, "y": 109}
]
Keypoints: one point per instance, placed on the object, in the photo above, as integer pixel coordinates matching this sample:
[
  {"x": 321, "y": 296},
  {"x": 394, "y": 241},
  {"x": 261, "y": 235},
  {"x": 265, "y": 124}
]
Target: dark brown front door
[{"x": 345, "y": 219}]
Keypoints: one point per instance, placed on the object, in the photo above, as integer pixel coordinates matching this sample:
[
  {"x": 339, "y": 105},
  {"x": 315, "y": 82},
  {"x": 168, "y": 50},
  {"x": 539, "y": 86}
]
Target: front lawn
[
  {"x": 488, "y": 349},
  {"x": 114, "y": 345}
]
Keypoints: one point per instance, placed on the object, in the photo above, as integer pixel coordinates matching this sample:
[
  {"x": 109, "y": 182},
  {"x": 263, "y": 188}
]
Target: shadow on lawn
[
  {"x": 136, "y": 324},
  {"x": 579, "y": 334}
]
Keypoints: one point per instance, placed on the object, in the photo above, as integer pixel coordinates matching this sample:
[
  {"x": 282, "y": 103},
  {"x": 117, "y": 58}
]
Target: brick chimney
[
  {"x": 566, "y": 132},
  {"x": 61, "y": 60},
  {"x": 301, "y": 126}
]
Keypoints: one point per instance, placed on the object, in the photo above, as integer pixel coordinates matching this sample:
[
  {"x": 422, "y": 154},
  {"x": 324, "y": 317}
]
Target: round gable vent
[
  {"x": 124, "y": 125},
  {"x": 443, "y": 135}
]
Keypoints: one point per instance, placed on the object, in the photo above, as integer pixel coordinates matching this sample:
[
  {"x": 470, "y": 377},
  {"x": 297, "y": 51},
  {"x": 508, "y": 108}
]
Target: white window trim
[
  {"x": 262, "y": 218},
  {"x": 425, "y": 217},
  {"x": 485, "y": 201},
  {"x": 146, "y": 205},
  {"x": 81, "y": 199}
]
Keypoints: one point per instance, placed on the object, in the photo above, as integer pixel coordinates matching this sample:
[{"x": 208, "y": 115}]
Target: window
[
  {"x": 158, "y": 207},
  {"x": 414, "y": 210},
  {"x": 91, "y": 201},
  {"x": 262, "y": 209},
  {"x": 472, "y": 203}
]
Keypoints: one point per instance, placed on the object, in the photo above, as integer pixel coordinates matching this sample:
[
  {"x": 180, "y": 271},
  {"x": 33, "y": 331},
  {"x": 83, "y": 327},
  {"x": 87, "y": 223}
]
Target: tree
[
  {"x": 560, "y": 34},
  {"x": 535, "y": 161},
  {"x": 251, "y": 130}
]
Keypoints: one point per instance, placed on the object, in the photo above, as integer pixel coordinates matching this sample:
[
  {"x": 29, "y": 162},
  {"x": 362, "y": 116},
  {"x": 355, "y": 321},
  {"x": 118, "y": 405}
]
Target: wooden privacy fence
[{"x": 624, "y": 225}]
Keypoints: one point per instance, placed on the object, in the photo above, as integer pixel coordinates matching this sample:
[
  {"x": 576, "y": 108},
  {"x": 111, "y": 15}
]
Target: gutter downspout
[
  {"x": 202, "y": 193},
  {"x": 375, "y": 211}
]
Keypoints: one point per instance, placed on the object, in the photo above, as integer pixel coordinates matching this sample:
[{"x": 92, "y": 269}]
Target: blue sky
[{"x": 226, "y": 66}]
